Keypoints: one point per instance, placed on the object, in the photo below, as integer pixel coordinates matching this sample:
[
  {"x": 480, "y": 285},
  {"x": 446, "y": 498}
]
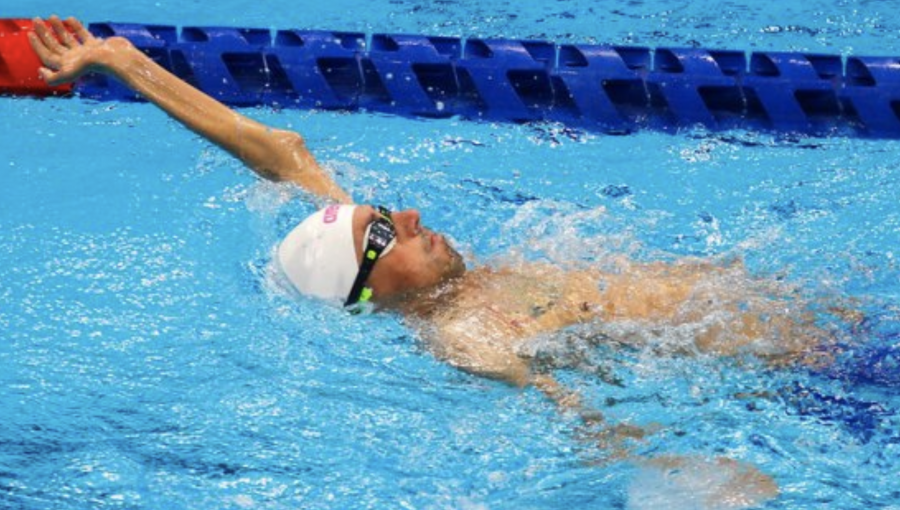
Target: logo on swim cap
[
  {"x": 319, "y": 255},
  {"x": 331, "y": 213}
]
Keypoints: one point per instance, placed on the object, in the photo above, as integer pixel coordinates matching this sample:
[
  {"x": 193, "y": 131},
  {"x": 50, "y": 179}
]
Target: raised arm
[{"x": 67, "y": 51}]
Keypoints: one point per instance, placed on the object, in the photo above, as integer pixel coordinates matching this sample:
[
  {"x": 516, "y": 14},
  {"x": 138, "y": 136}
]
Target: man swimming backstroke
[{"x": 477, "y": 318}]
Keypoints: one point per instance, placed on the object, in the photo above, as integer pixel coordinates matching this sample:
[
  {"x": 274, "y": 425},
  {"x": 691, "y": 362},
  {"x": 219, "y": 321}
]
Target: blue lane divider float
[{"x": 603, "y": 88}]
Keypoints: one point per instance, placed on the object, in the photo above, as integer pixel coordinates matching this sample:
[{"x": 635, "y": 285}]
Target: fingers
[
  {"x": 50, "y": 76},
  {"x": 38, "y": 40},
  {"x": 57, "y": 44},
  {"x": 46, "y": 38},
  {"x": 61, "y": 33},
  {"x": 53, "y": 37},
  {"x": 57, "y": 35},
  {"x": 80, "y": 32}
]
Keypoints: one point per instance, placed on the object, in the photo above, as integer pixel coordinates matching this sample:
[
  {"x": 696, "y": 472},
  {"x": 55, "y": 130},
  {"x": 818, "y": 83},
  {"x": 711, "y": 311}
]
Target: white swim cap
[{"x": 319, "y": 255}]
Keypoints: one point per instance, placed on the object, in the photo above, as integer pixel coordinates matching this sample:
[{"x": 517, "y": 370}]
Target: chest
[{"x": 515, "y": 305}]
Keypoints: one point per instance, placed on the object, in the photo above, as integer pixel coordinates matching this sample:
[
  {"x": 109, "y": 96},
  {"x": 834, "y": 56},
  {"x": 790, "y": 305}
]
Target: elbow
[
  {"x": 296, "y": 154},
  {"x": 287, "y": 156},
  {"x": 288, "y": 159},
  {"x": 290, "y": 140}
]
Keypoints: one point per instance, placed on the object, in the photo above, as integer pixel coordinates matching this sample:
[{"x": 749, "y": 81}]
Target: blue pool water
[{"x": 148, "y": 360}]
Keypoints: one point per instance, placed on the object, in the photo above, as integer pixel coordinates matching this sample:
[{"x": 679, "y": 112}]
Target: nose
[{"x": 407, "y": 222}]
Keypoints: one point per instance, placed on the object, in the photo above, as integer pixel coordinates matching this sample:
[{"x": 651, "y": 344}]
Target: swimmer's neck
[{"x": 424, "y": 303}]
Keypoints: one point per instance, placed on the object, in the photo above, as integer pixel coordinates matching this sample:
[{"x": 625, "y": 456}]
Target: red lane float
[{"x": 19, "y": 64}]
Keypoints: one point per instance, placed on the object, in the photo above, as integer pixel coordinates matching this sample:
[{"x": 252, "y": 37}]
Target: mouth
[{"x": 430, "y": 239}]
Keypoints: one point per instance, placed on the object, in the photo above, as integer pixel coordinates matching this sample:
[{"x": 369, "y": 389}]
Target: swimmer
[{"x": 475, "y": 318}]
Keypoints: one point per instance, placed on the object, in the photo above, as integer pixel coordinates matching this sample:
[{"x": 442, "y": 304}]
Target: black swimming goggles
[{"x": 379, "y": 236}]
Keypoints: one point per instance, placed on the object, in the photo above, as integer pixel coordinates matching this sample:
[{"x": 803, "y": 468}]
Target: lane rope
[{"x": 596, "y": 87}]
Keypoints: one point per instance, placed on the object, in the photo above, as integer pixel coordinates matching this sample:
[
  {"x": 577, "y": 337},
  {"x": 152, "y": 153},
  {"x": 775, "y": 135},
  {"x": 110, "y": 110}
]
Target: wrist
[{"x": 115, "y": 56}]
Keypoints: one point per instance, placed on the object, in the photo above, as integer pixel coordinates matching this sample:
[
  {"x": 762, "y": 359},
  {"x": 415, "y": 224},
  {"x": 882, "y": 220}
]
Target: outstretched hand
[{"x": 66, "y": 49}]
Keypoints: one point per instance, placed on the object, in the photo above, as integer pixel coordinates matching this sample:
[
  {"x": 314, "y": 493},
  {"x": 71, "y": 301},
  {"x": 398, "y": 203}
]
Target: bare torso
[{"x": 482, "y": 323}]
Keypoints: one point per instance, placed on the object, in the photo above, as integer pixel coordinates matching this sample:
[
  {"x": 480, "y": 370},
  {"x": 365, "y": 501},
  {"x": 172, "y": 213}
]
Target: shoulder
[{"x": 471, "y": 332}]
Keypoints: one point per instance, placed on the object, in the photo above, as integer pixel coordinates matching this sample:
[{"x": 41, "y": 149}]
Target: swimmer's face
[{"x": 420, "y": 259}]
